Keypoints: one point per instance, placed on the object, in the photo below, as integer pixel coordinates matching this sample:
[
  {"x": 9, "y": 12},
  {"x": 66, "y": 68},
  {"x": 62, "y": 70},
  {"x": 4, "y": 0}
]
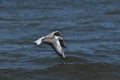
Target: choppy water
[{"x": 91, "y": 29}]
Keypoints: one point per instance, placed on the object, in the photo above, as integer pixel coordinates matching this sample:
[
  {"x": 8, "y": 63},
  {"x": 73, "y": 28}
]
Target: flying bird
[{"x": 56, "y": 40}]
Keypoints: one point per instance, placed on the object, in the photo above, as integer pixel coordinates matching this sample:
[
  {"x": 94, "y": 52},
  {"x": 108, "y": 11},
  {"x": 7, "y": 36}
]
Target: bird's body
[{"x": 56, "y": 40}]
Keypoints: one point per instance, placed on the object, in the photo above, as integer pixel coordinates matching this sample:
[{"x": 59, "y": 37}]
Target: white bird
[{"x": 56, "y": 40}]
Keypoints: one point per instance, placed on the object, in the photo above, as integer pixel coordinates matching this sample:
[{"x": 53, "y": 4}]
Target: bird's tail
[{"x": 39, "y": 41}]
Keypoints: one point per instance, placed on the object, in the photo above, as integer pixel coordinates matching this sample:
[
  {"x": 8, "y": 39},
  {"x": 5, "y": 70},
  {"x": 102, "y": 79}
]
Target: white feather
[
  {"x": 58, "y": 47},
  {"x": 39, "y": 41},
  {"x": 53, "y": 38}
]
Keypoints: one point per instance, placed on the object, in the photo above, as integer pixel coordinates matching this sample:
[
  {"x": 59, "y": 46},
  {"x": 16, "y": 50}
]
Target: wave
[{"x": 63, "y": 71}]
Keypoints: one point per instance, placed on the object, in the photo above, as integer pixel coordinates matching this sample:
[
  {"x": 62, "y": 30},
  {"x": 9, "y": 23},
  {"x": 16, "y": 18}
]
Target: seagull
[{"x": 56, "y": 40}]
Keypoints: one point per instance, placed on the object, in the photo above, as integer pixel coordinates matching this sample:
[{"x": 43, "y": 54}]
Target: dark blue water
[{"x": 91, "y": 29}]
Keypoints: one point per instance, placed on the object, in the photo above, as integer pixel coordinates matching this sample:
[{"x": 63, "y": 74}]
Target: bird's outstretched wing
[
  {"x": 62, "y": 42},
  {"x": 56, "y": 45}
]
